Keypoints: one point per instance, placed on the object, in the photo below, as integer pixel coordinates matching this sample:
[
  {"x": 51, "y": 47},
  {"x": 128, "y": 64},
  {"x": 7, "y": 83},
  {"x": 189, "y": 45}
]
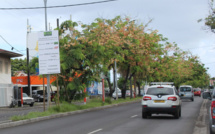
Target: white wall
[
  {"x": 5, "y": 70},
  {"x": 6, "y": 91}
]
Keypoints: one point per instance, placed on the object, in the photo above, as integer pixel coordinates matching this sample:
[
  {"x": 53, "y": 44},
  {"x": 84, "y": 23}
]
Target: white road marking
[
  {"x": 134, "y": 116},
  {"x": 95, "y": 131}
]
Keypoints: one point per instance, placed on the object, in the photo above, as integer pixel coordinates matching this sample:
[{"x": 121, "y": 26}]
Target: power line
[
  {"x": 82, "y": 4},
  {"x": 10, "y": 44}
]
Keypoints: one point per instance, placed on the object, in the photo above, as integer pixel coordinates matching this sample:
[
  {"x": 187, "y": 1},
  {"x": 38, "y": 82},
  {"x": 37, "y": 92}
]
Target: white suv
[{"x": 161, "y": 97}]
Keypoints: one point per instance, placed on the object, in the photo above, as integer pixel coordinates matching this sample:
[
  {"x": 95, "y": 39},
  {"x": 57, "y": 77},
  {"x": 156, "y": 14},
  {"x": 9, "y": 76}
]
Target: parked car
[
  {"x": 53, "y": 95},
  {"x": 119, "y": 93},
  {"x": 27, "y": 100},
  {"x": 186, "y": 92},
  {"x": 197, "y": 92},
  {"x": 127, "y": 93},
  {"x": 208, "y": 95},
  {"x": 162, "y": 98},
  {"x": 38, "y": 95}
]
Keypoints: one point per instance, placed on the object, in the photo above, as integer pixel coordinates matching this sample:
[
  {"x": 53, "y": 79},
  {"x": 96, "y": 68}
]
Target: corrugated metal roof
[{"x": 9, "y": 54}]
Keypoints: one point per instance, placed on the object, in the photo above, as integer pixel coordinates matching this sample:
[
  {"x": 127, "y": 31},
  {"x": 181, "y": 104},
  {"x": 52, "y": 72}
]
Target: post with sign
[
  {"x": 85, "y": 98},
  {"x": 21, "y": 97},
  {"x": 49, "y": 58}
]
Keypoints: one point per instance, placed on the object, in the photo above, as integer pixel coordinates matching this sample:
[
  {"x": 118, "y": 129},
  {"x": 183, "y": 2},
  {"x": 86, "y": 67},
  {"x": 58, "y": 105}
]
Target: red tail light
[
  {"x": 145, "y": 98},
  {"x": 213, "y": 109},
  {"x": 172, "y": 98}
]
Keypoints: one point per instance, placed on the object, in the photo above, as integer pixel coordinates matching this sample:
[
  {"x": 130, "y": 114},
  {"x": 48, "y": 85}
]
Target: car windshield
[
  {"x": 160, "y": 91},
  {"x": 24, "y": 95},
  {"x": 185, "y": 89},
  {"x": 40, "y": 92}
]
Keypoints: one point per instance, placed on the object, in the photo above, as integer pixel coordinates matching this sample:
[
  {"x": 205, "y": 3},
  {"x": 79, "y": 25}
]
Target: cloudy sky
[{"x": 175, "y": 19}]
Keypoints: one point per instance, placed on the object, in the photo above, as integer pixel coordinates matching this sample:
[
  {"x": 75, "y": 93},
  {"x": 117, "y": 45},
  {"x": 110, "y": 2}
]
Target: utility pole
[
  {"x": 48, "y": 76},
  {"x": 27, "y": 51}
]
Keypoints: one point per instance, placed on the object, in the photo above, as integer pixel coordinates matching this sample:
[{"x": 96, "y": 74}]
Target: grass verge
[{"x": 69, "y": 107}]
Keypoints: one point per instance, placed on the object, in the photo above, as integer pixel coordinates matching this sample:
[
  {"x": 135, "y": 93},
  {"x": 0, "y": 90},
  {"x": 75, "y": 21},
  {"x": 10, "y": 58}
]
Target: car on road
[
  {"x": 186, "y": 92},
  {"x": 208, "y": 95},
  {"x": 27, "y": 100},
  {"x": 38, "y": 95},
  {"x": 197, "y": 92},
  {"x": 161, "y": 98}
]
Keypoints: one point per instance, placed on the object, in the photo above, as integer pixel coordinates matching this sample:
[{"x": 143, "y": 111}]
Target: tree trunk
[
  {"x": 135, "y": 86},
  {"x": 125, "y": 82},
  {"x": 138, "y": 85},
  {"x": 110, "y": 87}
]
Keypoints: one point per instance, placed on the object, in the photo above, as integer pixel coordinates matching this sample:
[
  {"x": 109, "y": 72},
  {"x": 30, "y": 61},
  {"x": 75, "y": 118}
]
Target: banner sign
[{"x": 48, "y": 50}]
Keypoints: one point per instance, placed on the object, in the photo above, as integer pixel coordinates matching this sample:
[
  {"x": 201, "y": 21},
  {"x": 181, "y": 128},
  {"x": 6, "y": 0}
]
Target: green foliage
[{"x": 21, "y": 65}]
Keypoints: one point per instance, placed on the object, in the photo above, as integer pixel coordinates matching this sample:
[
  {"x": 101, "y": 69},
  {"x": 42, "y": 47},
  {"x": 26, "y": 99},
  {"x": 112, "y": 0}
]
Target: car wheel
[
  {"x": 177, "y": 114},
  {"x": 180, "y": 112},
  {"x": 149, "y": 114},
  {"x": 192, "y": 99},
  {"x": 211, "y": 132},
  {"x": 144, "y": 115},
  {"x": 31, "y": 105},
  {"x": 19, "y": 104}
]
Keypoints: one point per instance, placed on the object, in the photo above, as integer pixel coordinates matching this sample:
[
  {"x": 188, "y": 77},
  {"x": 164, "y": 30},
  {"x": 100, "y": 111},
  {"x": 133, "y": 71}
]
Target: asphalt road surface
[{"x": 125, "y": 119}]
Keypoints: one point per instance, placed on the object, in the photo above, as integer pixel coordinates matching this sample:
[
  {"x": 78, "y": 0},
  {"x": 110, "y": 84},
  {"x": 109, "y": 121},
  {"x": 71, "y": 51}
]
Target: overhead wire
[
  {"x": 81, "y": 4},
  {"x": 10, "y": 44}
]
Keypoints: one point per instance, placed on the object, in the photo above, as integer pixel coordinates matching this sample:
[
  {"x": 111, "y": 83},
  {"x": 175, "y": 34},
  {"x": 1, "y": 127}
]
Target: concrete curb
[
  {"x": 201, "y": 124},
  {"x": 22, "y": 122}
]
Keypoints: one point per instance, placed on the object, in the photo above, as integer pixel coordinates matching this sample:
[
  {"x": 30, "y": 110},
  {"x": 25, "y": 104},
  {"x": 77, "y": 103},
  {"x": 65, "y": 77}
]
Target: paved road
[{"x": 124, "y": 119}]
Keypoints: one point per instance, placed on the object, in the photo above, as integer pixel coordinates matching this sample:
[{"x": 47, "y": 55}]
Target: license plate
[{"x": 159, "y": 101}]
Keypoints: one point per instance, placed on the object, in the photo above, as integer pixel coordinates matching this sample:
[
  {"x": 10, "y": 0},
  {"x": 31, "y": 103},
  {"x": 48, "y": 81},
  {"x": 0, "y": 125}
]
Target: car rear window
[
  {"x": 160, "y": 91},
  {"x": 185, "y": 89},
  {"x": 197, "y": 89}
]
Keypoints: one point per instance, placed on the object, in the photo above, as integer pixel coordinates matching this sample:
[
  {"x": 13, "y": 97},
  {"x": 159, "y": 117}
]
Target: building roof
[{"x": 9, "y": 54}]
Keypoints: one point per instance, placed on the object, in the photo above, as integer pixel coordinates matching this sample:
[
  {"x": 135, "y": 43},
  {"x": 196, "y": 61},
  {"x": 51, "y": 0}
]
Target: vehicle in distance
[
  {"x": 162, "y": 98},
  {"x": 197, "y": 92},
  {"x": 27, "y": 100},
  {"x": 186, "y": 92},
  {"x": 38, "y": 95},
  {"x": 119, "y": 93}
]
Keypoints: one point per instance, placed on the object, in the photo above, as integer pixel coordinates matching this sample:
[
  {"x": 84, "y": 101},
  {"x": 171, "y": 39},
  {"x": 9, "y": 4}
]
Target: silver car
[
  {"x": 119, "y": 93},
  {"x": 207, "y": 95},
  {"x": 186, "y": 92}
]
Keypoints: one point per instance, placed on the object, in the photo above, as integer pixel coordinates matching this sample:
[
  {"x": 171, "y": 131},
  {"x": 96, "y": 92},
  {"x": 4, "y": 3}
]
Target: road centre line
[
  {"x": 134, "y": 116},
  {"x": 95, "y": 131}
]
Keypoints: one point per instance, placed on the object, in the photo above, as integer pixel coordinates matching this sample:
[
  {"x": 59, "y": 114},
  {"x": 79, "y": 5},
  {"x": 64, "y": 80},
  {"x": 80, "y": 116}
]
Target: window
[
  {"x": 162, "y": 91},
  {"x": 1, "y": 66},
  {"x": 185, "y": 89}
]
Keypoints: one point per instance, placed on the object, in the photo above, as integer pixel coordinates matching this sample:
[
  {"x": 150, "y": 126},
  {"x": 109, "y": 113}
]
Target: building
[
  {"x": 6, "y": 85},
  {"x": 36, "y": 83}
]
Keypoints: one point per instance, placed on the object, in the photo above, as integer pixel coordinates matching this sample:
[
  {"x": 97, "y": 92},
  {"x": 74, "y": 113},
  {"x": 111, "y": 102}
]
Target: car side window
[{"x": 176, "y": 92}]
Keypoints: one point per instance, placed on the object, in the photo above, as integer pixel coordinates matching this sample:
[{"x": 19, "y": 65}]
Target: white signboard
[{"x": 49, "y": 58}]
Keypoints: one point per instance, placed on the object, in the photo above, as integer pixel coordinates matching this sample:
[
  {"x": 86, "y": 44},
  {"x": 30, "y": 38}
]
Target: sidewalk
[{"x": 202, "y": 122}]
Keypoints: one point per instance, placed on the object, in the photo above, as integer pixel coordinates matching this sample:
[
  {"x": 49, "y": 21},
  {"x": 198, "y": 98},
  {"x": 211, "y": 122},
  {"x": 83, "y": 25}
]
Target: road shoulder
[{"x": 201, "y": 125}]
